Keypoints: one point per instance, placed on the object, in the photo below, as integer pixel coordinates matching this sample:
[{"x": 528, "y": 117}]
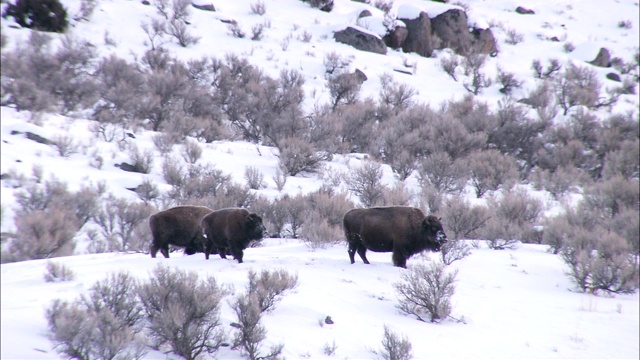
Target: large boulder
[
  {"x": 418, "y": 35},
  {"x": 603, "y": 59},
  {"x": 361, "y": 40},
  {"x": 395, "y": 38},
  {"x": 452, "y": 30},
  {"x": 484, "y": 42}
]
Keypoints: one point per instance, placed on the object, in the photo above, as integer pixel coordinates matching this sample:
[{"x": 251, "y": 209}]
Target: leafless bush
[
  {"x": 557, "y": 231},
  {"x": 306, "y": 36},
  {"x": 473, "y": 64},
  {"x": 118, "y": 219},
  {"x": 624, "y": 161},
  {"x": 235, "y": 30},
  {"x": 365, "y": 183},
  {"x": 104, "y": 325},
  {"x": 344, "y": 88},
  {"x": 449, "y": 65},
  {"x": 297, "y": 155},
  {"x": 142, "y": 161},
  {"x": 600, "y": 261},
  {"x": 147, "y": 191},
  {"x": 558, "y": 182},
  {"x": 254, "y": 178},
  {"x": 514, "y": 216},
  {"x": 384, "y": 5},
  {"x": 443, "y": 173},
  {"x": 508, "y": 81},
  {"x": 542, "y": 100},
  {"x": 43, "y": 234},
  {"x": 270, "y": 286},
  {"x": 463, "y": 221},
  {"x": 398, "y": 194},
  {"x": 191, "y": 152},
  {"x": 65, "y": 145},
  {"x": 155, "y": 30},
  {"x": 432, "y": 196},
  {"x": 334, "y": 62},
  {"x": 250, "y": 332},
  {"x": 183, "y": 312},
  {"x": 58, "y": 272},
  {"x": 550, "y": 72},
  {"x": 490, "y": 170},
  {"x": 568, "y": 47},
  {"x": 578, "y": 86},
  {"x": 258, "y": 8},
  {"x": 426, "y": 290},
  {"x": 329, "y": 349},
  {"x": 280, "y": 179},
  {"x": 257, "y": 31},
  {"x": 318, "y": 233},
  {"x": 612, "y": 196},
  {"x": 398, "y": 96},
  {"x": 394, "y": 346},
  {"x": 513, "y": 37}
]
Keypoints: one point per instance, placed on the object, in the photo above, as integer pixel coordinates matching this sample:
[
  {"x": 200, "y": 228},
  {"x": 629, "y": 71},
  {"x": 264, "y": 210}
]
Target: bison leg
[
  {"x": 153, "y": 250},
  {"x": 165, "y": 251},
  {"x": 362, "y": 251},
  {"x": 237, "y": 254},
  {"x": 399, "y": 259},
  {"x": 223, "y": 252},
  {"x": 352, "y": 252}
]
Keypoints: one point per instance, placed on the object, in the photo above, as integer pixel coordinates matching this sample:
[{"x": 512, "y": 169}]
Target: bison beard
[
  {"x": 403, "y": 230},
  {"x": 177, "y": 226},
  {"x": 231, "y": 230}
]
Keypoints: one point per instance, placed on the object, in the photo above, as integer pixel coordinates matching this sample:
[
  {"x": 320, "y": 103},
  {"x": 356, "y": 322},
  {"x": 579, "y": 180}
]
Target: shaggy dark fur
[
  {"x": 231, "y": 230},
  {"x": 178, "y": 226},
  {"x": 403, "y": 230}
]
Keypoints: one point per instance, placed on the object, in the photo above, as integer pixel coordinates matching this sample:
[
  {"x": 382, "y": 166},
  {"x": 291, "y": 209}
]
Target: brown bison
[
  {"x": 231, "y": 230},
  {"x": 178, "y": 226},
  {"x": 403, "y": 230}
]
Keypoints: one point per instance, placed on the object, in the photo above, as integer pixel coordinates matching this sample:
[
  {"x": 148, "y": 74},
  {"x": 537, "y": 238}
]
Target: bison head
[
  {"x": 254, "y": 227},
  {"x": 434, "y": 233}
]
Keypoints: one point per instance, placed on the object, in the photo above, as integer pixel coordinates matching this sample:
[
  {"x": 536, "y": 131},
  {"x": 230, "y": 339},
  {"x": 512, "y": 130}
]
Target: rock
[
  {"x": 418, "y": 35},
  {"x": 396, "y": 38},
  {"x": 364, "y": 13},
  {"x": 203, "y": 6},
  {"x": 603, "y": 59},
  {"x": 328, "y": 320},
  {"x": 614, "y": 77},
  {"x": 484, "y": 42},
  {"x": 128, "y": 167},
  {"x": 452, "y": 30},
  {"x": 524, "y": 11},
  {"x": 37, "y": 138},
  {"x": 361, "y": 40}
]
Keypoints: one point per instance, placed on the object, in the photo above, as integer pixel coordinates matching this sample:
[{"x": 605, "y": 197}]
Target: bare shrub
[
  {"x": 183, "y": 312},
  {"x": 104, "y": 325},
  {"x": 43, "y": 234},
  {"x": 280, "y": 179},
  {"x": 258, "y": 8},
  {"x": 318, "y": 233},
  {"x": 329, "y": 349},
  {"x": 257, "y": 31},
  {"x": 442, "y": 172},
  {"x": 64, "y": 145},
  {"x": 344, "y": 88},
  {"x": 514, "y": 215},
  {"x": 508, "y": 81},
  {"x": 463, "y": 221},
  {"x": 333, "y": 62},
  {"x": 449, "y": 65},
  {"x": 558, "y": 182},
  {"x": 365, "y": 183},
  {"x": 542, "y": 99},
  {"x": 623, "y": 162},
  {"x": 270, "y": 286},
  {"x": 432, "y": 196},
  {"x": 577, "y": 86},
  {"x": 297, "y": 155},
  {"x": 473, "y": 64},
  {"x": 426, "y": 290},
  {"x": 398, "y": 194},
  {"x": 611, "y": 196},
  {"x": 330, "y": 205},
  {"x": 394, "y": 346},
  {"x": 550, "y": 72},
  {"x": 557, "y": 230},
  {"x": 142, "y": 161},
  {"x": 250, "y": 332},
  {"x": 148, "y": 191},
  {"x": 235, "y": 30},
  {"x": 514, "y": 37},
  {"x": 398, "y": 96},
  {"x": 57, "y": 272},
  {"x": 254, "y": 178},
  {"x": 384, "y": 5},
  {"x": 191, "y": 152},
  {"x": 490, "y": 170},
  {"x": 118, "y": 218}
]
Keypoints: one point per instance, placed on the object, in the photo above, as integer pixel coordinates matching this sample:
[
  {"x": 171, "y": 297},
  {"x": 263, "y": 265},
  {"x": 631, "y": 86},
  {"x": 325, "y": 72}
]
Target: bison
[
  {"x": 403, "y": 230},
  {"x": 231, "y": 230},
  {"x": 178, "y": 226}
]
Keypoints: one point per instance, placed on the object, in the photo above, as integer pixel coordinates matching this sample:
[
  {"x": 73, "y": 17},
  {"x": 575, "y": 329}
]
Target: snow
[{"x": 515, "y": 303}]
